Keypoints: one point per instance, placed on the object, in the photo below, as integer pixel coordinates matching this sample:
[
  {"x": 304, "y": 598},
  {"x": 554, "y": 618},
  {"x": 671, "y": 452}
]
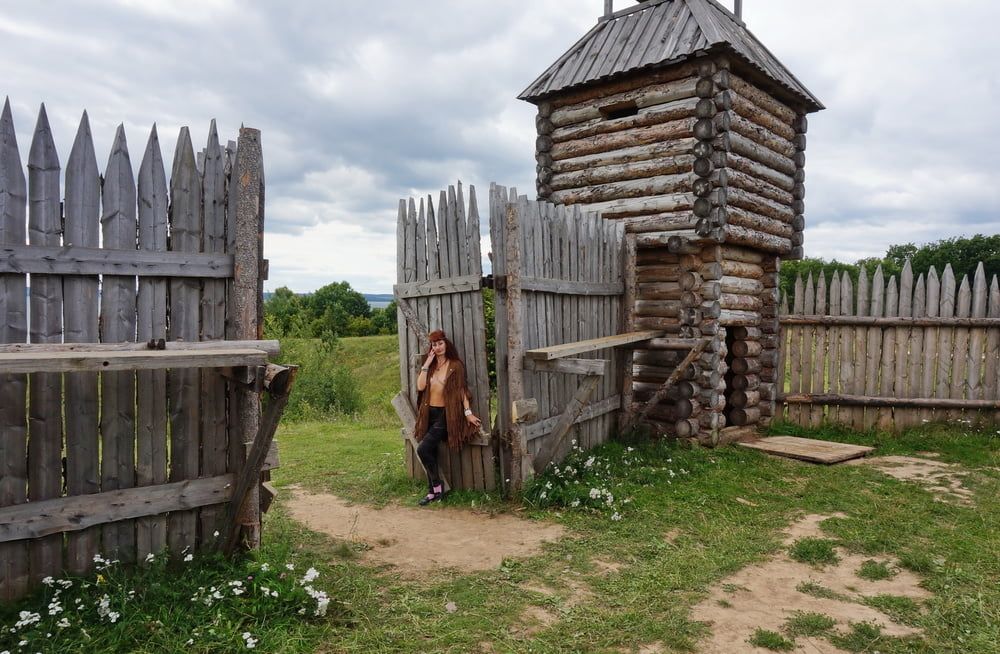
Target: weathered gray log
[
  {"x": 734, "y": 234},
  {"x": 605, "y": 94},
  {"x": 151, "y": 323},
  {"x": 875, "y": 401},
  {"x": 745, "y": 382},
  {"x": 13, "y": 388},
  {"x": 45, "y": 390},
  {"x": 118, "y": 316},
  {"x": 185, "y": 295},
  {"x": 675, "y": 129},
  {"x": 75, "y": 513},
  {"x": 734, "y": 318},
  {"x": 695, "y": 352},
  {"x": 739, "y": 302},
  {"x": 653, "y": 115},
  {"x": 749, "y": 201},
  {"x": 730, "y": 121},
  {"x": 761, "y": 98},
  {"x": 662, "y": 222},
  {"x": 873, "y": 321},
  {"x": 744, "y": 399},
  {"x": 561, "y": 430},
  {"x": 735, "y": 143},
  {"x": 82, "y": 209},
  {"x": 644, "y": 205},
  {"x": 662, "y": 239},
  {"x": 741, "y": 366},
  {"x": 214, "y": 457},
  {"x": 758, "y": 115},
  {"x": 633, "y": 188},
  {"x": 732, "y": 178},
  {"x": 646, "y": 96},
  {"x": 743, "y": 417},
  {"x": 654, "y": 167},
  {"x": 80, "y": 260},
  {"x": 248, "y": 479},
  {"x": 741, "y": 285},
  {"x": 628, "y": 155}
]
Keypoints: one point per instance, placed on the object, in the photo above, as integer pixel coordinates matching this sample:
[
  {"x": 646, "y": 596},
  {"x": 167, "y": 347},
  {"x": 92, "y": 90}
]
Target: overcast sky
[{"x": 362, "y": 103}]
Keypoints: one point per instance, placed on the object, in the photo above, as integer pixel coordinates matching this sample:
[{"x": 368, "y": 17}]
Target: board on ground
[{"x": 808, "y": 449}]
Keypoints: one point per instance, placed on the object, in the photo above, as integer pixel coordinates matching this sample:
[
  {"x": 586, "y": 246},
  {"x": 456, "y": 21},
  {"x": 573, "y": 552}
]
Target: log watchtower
[{"x": 672, "y": 117}]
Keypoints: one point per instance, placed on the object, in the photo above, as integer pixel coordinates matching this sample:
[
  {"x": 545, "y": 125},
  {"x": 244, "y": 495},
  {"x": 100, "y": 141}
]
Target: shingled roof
[{"x": 655, "y": 33}]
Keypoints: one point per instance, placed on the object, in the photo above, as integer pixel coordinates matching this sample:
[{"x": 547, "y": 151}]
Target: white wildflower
[
  {"x": 575, "y": 503},
  {"x": 65, "y": 583},
  {"x": 595, "y": 493},
  {"x": 548, "y": 485},
  {"x": 264, "y": 567},
  {"x": 249, "y": 640},
  {"x": 63, "y": 623},
  {"x": 27, "y": 618},
  {"x": 616, "y": 516},
  {"x": 188, "y": 558},
  {"x": 215, "y": 534},
  {"x": 150, "y": 557},
  {"x": 48, "y": 581},
  {"x": 289, "y": 566},
  {"x": 589, "y": 462},
  {"x": 542, "y": 496},
  {"x": 113, "y": 616},
  {"x": 310, "y": 576}
]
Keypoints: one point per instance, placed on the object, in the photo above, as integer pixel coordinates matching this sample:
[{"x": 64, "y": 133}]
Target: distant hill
[{"x": 378, "y": 300}]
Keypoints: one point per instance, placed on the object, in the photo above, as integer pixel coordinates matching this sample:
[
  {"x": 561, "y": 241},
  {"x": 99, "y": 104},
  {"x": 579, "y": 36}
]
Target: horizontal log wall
[
  {"x": 891, "y": 354},
  {"x": 103, "y": 416}
]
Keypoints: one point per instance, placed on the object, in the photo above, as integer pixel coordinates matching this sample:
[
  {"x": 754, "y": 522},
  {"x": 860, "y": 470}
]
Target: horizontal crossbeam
[
  {"x": 590, "y": 345},
  {"x": 75, "y": 260},
  {"x": 103, "y": 361}
]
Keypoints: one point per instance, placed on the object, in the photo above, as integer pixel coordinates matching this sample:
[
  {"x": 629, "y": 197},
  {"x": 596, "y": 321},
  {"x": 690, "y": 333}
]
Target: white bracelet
[
  {"x": 424, "y": 369},
  {"x": 468, "y": 412}
]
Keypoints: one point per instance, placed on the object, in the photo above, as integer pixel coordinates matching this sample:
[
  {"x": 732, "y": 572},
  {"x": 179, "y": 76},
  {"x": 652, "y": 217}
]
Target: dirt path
[
  {"x": 766, "y": 595},
  {"x": 421, "y": 541}
]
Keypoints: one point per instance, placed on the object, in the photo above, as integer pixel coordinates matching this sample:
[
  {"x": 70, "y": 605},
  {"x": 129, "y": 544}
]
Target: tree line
[
  {"x": 333, "y": 311},
  {"x": 964, "y": 254}
]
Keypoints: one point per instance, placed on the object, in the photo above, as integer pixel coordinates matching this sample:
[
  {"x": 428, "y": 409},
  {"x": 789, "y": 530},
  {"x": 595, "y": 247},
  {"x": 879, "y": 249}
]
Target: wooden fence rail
[
  {"x": 91, "y": 417},
  {"x": 892, "y": 354}
]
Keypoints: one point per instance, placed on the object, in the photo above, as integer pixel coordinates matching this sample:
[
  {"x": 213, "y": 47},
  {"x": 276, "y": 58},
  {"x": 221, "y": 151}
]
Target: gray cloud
[{"x": 363, "y": 103}]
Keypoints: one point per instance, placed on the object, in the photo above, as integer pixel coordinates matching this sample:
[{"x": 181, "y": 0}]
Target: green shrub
[{"x": 323, "y": 388}]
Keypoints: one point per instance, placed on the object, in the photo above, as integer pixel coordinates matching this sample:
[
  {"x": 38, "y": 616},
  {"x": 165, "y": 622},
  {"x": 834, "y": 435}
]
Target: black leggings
[{"x": 437, "y": 433}]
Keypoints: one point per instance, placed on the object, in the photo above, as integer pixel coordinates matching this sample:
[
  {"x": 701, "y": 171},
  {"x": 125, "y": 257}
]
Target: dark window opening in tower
[{"x": 619, "y": 110}]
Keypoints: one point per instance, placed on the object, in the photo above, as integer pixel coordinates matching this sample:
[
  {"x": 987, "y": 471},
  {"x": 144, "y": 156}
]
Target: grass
[
  {"x": 771, "y": 640},
  {"x": 953, "y": 548},
  {"x": 875, "y": 570},
  {"x": 814, "y": 551},
  {"x": 809, "y": 624}
]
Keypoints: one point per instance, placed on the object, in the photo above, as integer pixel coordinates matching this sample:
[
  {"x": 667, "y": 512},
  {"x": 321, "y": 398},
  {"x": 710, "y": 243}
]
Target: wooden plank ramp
[{"x": 808, "y": 449}]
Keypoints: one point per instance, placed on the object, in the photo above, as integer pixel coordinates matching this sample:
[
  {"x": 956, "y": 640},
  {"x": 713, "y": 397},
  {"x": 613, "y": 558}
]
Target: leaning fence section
[
  {"x": 439, "y": 273},
  {"x": 890, "y": 354},
  {"x": 117, "y": 451},
  {"x": 558, "y": 278}
]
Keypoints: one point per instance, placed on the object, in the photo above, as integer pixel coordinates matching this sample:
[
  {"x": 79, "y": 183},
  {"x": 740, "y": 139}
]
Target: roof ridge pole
[
  {"x": 609, "y": 8},
  {"x": 738, "y": 8}
]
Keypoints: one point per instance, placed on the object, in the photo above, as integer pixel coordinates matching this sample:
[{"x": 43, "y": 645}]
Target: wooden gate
[
  {"x": 439, "y": 273},
  {"x": 115, "y": 438},
  {"x": 558, "y": 277}
]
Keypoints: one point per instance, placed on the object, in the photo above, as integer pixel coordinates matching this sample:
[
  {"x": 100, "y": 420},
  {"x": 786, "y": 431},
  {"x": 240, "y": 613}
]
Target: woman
[{"x": 444, "y": 411}]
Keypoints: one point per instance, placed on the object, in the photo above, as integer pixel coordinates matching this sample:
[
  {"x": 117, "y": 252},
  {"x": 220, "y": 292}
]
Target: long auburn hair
[{"x": 449, "y": 348}]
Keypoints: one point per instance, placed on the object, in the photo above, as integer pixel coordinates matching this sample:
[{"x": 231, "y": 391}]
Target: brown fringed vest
[{"x": 460, "y": 431}]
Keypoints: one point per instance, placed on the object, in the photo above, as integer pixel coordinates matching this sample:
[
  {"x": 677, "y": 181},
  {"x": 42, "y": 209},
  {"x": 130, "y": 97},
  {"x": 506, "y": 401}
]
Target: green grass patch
[
  {"x": 809, "y": 624},
  {"x": 814, "y": 551},
  {"x": 771, "y": 640},
  {"x": 875, "y": 570},
  {"x": 820, "y": 591},
  {"x": 863, "y": 637},
  {"x": 903, "y": 610}
]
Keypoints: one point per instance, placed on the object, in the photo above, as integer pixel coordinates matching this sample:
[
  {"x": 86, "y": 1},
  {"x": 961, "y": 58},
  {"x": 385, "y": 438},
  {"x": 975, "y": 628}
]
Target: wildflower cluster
[
  {"x": 604, "y": 479},
  {"x": 230, "y": 606}
]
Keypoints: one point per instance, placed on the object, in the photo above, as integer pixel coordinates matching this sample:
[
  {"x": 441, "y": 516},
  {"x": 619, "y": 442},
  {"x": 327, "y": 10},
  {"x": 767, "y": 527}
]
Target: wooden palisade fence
[
  {"x": 439, "y": 270},
  {"x": 559, "y": 287},
  {"x": 118, "y": 434},
  {"x": 891, "y": 354}
]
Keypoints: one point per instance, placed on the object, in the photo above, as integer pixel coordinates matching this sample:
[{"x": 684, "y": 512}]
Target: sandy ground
[
  {"x": 418, "y": 541},
  {"x": 765, "y": 596},
  {"x": 944, "y": 480}
]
